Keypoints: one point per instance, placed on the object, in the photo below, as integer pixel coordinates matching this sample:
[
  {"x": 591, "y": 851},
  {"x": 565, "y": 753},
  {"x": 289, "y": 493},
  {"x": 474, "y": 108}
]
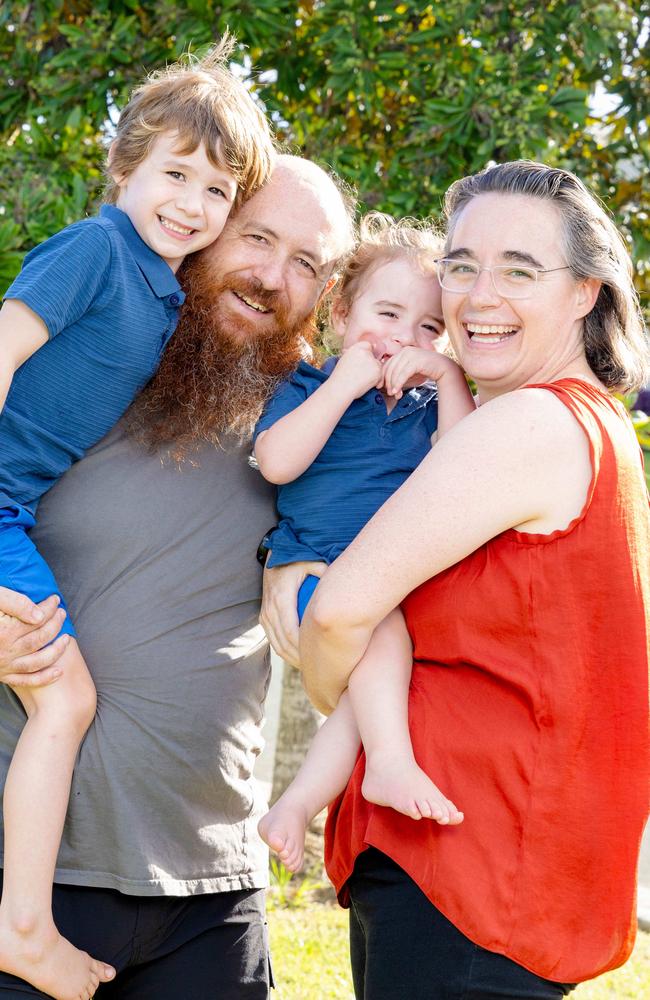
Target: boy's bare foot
[
  {"x": 399, "y": 783},
  {"x": 283, "y": 829},
  {"x": 51, "y": 963}
]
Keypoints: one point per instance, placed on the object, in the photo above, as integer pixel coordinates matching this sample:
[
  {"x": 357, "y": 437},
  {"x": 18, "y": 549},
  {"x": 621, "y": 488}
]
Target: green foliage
[{"x": 400, "y": 98}]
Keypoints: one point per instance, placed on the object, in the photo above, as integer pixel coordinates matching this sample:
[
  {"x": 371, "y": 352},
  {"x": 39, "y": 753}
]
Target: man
[{"x": 161, "y": 871}]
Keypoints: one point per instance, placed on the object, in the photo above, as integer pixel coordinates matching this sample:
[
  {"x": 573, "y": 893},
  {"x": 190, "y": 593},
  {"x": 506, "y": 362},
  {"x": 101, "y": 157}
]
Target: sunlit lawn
[{"x": 310, "y": 958}]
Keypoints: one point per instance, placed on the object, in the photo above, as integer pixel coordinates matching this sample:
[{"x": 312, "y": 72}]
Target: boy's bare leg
[
  {"x": 323, "y": 774},
  {"x": 379, "y": 688},
  {"x": 35, "y": 803}
]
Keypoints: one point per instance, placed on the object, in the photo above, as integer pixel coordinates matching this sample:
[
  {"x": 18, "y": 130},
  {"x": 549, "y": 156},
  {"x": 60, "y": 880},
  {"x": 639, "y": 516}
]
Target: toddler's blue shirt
[
  {"x": 110, "y": 304},
  {"x": 368, "y": 456}
]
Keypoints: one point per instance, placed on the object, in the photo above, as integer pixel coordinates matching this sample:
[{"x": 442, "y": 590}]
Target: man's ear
[
  {"x": 329, "y": 284},
  {"x": 588, "y": 292}
]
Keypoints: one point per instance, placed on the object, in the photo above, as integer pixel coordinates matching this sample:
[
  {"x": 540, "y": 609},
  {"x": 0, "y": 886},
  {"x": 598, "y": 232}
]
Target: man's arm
[
  {"x": 289, "y": 447},
  {"x": 279, "y": 614},
  {"x": 28, "y": 654}
]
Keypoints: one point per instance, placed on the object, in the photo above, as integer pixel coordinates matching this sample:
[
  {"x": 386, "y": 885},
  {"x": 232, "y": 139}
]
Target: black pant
[
  {"x": 209, "y": 947},
  {"x": 403, "y": 948}
]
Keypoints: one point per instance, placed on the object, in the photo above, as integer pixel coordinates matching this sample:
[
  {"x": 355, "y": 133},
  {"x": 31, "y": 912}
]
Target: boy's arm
[
  {"x": 455, "y": 400},
  {"x": 22, "y": 332},
  {"x": 285, "y": 450}
]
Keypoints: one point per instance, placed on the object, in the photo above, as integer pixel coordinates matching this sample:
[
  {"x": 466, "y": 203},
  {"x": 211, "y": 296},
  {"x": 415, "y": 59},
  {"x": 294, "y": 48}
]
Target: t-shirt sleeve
[
  {"x": 290, "y": 394},
  {"x": 62, "y": 277}
]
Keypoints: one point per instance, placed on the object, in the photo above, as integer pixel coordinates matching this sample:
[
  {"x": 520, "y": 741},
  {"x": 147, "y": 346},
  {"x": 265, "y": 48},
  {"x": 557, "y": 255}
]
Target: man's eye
[
  {"x": 306, "y": 265},
  {"x": 256, "y": 238}
]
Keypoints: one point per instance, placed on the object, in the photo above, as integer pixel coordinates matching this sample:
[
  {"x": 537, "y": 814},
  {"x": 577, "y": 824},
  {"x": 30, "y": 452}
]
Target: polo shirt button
[
  {"x": 379, "y": 398},
  {"x": 174, "y": 299}
]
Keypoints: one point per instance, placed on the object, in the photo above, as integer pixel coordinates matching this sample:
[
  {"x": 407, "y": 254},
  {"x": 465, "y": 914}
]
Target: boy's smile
[{"x": 177, "y": 201}]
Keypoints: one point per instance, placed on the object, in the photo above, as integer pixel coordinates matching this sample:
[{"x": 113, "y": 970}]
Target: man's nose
[{"x": 270, "y": 272}]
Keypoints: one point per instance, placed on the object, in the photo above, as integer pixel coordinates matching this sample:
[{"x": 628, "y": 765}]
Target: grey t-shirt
[{"x": 157, "y": 565}]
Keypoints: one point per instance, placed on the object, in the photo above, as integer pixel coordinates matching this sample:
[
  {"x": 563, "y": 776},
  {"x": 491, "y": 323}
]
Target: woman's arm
[
  {"x": 505, "y": 465},
  {"x": 289, "y": 447}
]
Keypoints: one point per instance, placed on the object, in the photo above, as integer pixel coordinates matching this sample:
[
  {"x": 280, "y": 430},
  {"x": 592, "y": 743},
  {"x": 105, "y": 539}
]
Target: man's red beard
[{"x": 218, "y": 370}]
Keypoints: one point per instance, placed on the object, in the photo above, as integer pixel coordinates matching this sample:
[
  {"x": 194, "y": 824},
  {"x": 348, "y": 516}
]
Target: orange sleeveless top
[{"x": 529, "y": 708}]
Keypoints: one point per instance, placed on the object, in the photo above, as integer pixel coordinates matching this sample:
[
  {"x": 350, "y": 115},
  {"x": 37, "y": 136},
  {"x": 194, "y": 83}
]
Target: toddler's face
[
  {"x": 178, "y": 202},
  {"x": 397, "y": 306}
]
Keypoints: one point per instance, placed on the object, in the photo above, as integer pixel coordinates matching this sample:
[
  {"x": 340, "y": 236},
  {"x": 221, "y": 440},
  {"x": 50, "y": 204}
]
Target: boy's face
[
  {"x": 397, "y": 306},
  {"x": 177, "y": 202}
]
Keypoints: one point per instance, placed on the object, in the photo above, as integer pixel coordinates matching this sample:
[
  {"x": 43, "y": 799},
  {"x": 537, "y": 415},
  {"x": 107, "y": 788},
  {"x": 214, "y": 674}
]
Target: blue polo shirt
[
  {"x": 368, "y": 456},
  {"x": 110, "y": 305}
]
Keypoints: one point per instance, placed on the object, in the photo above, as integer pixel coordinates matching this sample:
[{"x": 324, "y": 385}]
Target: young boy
[
  {"x": 339, "y": 441},
  {"x": 82, "y": 329}
]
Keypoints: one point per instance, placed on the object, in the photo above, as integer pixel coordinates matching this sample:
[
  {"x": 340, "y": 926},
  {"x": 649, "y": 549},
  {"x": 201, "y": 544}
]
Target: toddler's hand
[
  {"x": 357, "y": 370},
  {"x": 412, "y": 366}
]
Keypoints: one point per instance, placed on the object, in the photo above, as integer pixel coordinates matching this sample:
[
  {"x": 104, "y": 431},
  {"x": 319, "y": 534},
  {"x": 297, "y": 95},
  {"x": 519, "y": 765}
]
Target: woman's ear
[{"x": 588, "y": 292}]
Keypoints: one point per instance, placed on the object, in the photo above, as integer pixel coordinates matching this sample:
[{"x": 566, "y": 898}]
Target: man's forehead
[{"x": 299, "y": 214}]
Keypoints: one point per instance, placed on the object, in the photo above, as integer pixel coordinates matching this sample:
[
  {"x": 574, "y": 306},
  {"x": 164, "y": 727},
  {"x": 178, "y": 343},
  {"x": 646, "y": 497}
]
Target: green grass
[{"x": 309, "y": 947}]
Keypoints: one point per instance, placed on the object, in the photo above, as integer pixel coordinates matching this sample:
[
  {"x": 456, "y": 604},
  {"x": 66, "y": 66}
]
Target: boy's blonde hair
[
  {"x": 202, "y": 101},
  {"x": 383, "y": 239}
]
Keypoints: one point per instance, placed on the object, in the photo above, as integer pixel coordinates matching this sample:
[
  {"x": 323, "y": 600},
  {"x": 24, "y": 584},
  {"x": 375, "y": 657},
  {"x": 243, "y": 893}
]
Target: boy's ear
[
  {"x": 118, "y": 178},
  {"x": 339, "y": 317}
]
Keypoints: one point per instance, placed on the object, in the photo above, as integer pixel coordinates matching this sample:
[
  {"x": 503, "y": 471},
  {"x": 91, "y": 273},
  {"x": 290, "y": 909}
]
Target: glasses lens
[
  {"x": 514, "y": 282},
  {"x": 457, "y": 275}
]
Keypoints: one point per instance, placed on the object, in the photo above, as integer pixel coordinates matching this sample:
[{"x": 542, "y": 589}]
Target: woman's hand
[
  {"x": 28, "y": 655},
  {"x": 279, "y": 614}
]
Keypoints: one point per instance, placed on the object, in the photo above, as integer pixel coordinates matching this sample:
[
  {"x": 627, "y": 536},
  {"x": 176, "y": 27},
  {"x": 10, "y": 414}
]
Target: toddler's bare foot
[
  {"x": 283, "y": 829},
  {"x": 50, "y": 962},
  {"x": 399, "y": 783}
]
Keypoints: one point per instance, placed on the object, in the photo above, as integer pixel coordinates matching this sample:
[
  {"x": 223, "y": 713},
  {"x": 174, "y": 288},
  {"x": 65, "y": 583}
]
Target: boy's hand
[
  {"x": 412, "y": 366},
  {"x": 28, "y": 655},
  {"x": 357, "y": 370}
]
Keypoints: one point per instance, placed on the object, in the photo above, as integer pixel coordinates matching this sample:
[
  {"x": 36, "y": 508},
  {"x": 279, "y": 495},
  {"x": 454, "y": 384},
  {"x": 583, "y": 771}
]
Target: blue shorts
[
  {"x": 22, "y": 568},
  {"x": 308, "y": 587}
]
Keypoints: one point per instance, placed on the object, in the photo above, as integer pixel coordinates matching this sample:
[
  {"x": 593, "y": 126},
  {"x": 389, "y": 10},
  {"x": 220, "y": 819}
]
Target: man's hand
[
  {"x": 26, "y": 659},
  {"x": 357, "y": 370},
  {"x": 279, "y": 615},
  {"x": 412, "y": 366}
]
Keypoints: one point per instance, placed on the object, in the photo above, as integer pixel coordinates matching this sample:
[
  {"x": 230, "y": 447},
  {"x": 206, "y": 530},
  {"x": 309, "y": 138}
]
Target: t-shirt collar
[{"x": 157, "y": 272}]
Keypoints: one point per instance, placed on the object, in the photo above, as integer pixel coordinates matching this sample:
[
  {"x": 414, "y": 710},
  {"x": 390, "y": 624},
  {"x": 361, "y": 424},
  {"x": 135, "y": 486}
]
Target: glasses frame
[{"x": 499, "y": 268}]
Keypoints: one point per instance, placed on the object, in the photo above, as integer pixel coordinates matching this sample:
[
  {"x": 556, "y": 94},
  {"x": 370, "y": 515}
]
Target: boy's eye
[
  {"x": 218, "y": 191},
  {"x": 436, "y": 328},
  {"x": 387, "y": 312},
  {"x": 176, "y": 174}
]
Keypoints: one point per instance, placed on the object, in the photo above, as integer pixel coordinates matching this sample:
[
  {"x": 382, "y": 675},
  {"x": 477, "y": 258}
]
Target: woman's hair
[
  {"x": 383, "y": 239},
  {"x": 615, "y": 338},
  {"x": 202, "y": 101}
]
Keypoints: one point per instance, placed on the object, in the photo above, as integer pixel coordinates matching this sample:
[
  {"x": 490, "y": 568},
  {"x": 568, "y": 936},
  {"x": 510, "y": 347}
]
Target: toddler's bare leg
[
  {"x": 378, "y": 689},
  {"x": 322, "y": 776},
  {"x": 35, "y": 802}
]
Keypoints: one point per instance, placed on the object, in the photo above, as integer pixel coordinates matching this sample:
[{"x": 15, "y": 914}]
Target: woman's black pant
[{"x": 403, "y": 948}]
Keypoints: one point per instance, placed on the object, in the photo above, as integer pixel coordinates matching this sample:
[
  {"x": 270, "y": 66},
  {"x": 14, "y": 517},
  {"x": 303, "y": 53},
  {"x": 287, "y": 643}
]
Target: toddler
[
  {"x": 82, "y": 330},
  {"x": 339, "y": 441}
]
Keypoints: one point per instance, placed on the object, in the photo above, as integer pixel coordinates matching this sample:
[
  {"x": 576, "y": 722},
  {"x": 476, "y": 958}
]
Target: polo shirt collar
[{"x": 156, "y": 271}]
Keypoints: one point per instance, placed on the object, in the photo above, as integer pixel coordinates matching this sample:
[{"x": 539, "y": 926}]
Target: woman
[{"x": 529, "y": 697}]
